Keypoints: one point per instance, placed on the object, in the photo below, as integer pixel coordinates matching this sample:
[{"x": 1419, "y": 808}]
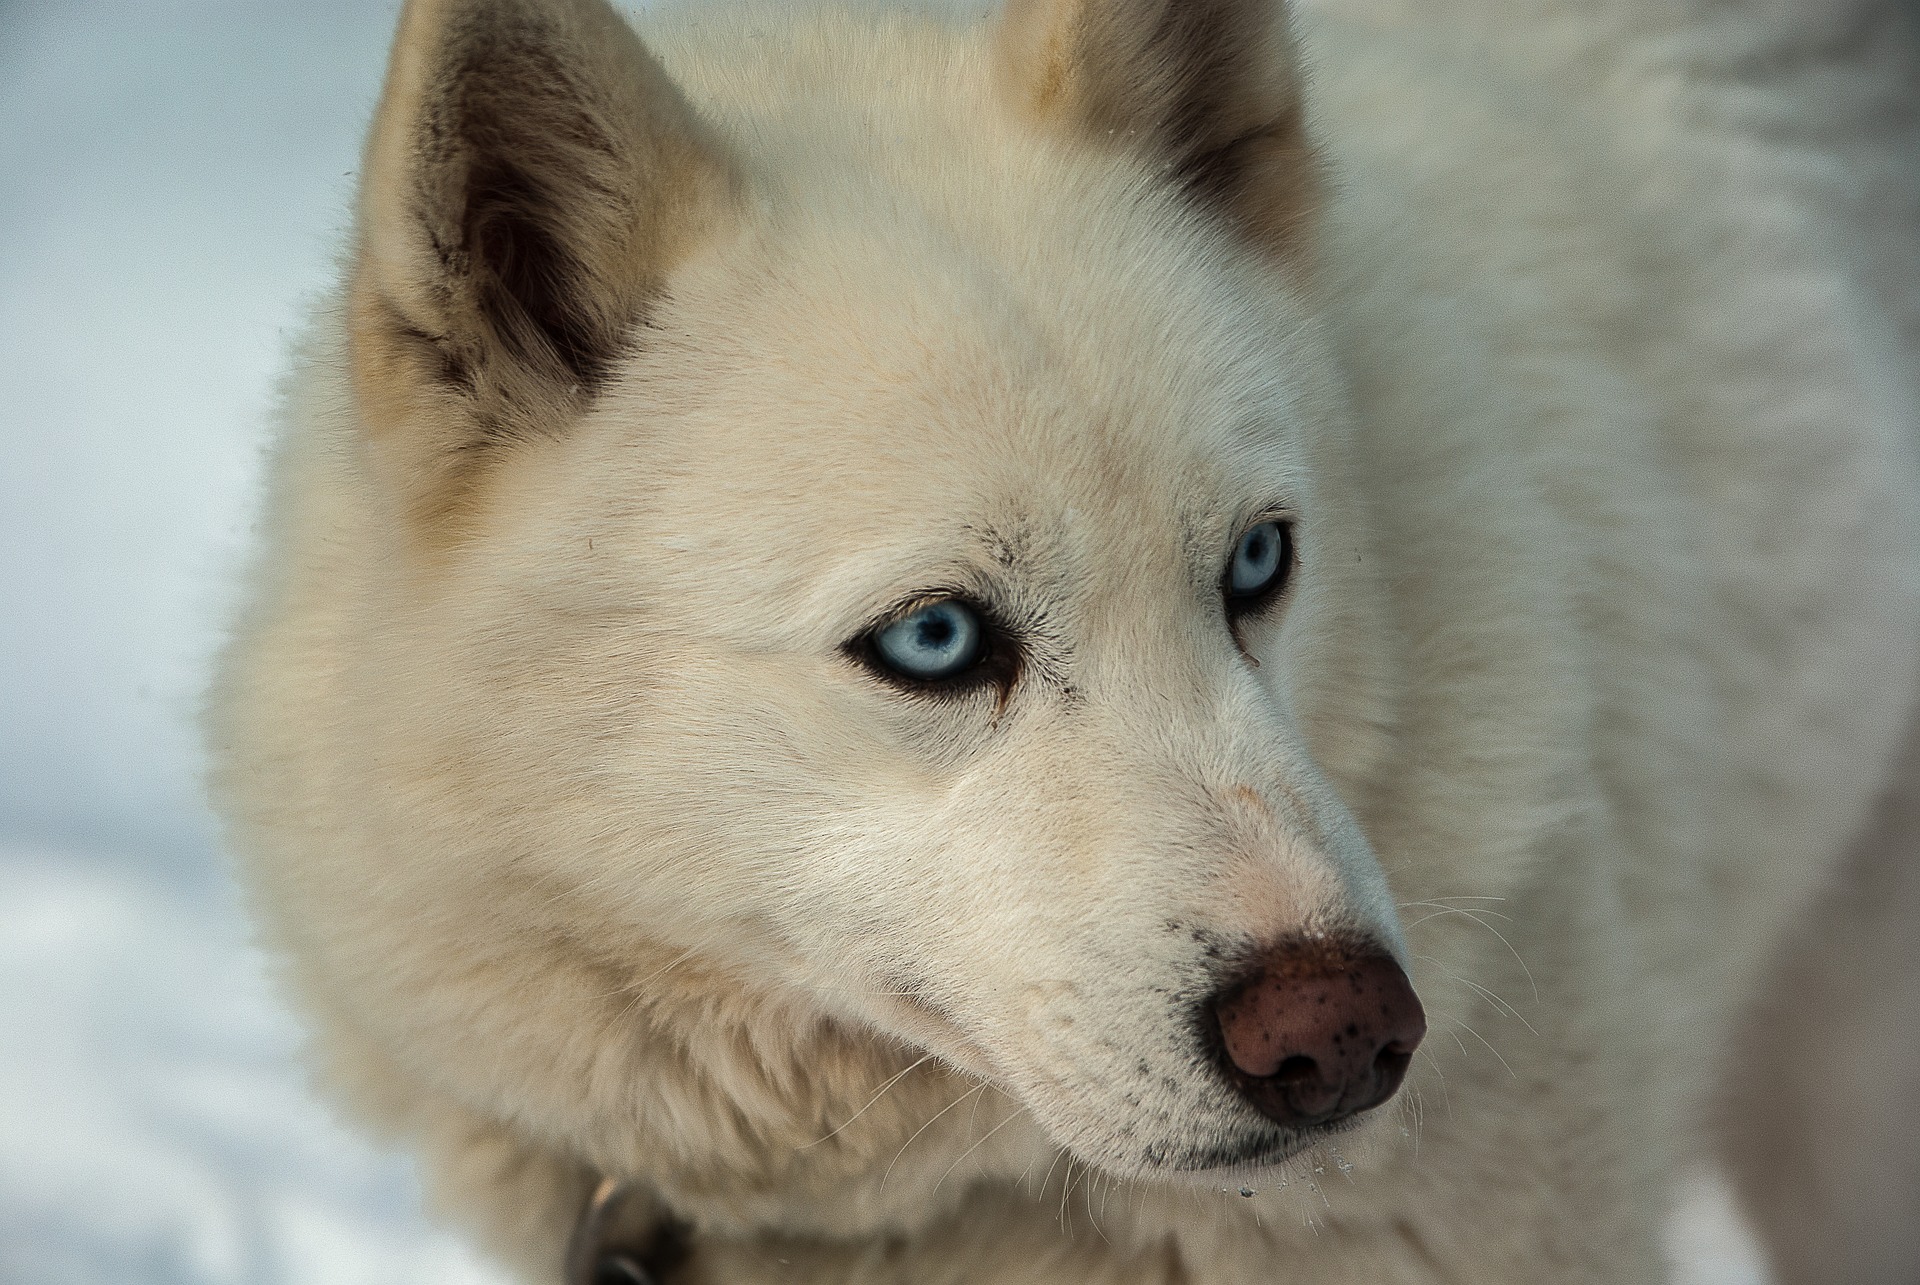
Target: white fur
[{"x": 589, "y": 852}]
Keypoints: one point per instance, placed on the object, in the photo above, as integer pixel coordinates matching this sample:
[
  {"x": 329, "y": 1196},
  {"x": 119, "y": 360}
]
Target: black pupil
[
  {"x": 935, "y": 631},
  {"x": 1257, "y": 545}
]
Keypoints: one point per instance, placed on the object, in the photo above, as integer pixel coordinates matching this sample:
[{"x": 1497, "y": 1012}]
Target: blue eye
[
  {"x": 1260, "y": 561},
  {"x": 937, "y": 641}
]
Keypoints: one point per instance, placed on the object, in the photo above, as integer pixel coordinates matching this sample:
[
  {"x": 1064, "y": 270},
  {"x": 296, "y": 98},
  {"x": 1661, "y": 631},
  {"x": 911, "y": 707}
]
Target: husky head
[{"x": 861, "y": 519}]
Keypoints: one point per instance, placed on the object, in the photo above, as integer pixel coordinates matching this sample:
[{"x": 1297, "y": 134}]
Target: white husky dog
[{"x": 904, "y": 651}]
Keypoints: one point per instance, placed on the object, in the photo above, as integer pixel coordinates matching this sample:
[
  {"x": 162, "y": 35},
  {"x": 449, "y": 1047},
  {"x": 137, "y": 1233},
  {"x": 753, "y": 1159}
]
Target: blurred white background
[{"x": 174, "y": 180}]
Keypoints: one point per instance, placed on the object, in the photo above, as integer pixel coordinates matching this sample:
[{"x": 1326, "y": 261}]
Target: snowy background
[{"x": 175, "y": 178}]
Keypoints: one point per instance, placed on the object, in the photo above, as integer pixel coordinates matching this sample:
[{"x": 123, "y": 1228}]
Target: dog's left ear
[{"x": 1209, "y": 90}]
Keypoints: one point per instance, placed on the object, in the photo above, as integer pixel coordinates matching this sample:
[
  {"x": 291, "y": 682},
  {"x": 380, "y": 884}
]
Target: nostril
[
  {"x": 1296, "y": 1069},
  {"x": 1392, "y": 1064}
]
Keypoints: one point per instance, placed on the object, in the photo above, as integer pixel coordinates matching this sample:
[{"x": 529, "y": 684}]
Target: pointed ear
[
  {"x": 531, "y": 177},
  {"x": 1209, "y": 90}
]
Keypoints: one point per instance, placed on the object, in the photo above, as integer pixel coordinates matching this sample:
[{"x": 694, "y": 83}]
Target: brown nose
[{"x": 1318, "y": 1030}]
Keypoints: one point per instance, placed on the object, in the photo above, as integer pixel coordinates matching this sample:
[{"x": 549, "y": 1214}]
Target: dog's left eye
[
  {"x": 938, "y": 641},
  {"x": 1260, "y": 563}
]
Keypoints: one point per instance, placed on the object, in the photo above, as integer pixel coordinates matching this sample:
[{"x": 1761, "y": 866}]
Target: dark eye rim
[
  {"x": 996, "y": 668},
  {"x": 1240, "y": 605}
]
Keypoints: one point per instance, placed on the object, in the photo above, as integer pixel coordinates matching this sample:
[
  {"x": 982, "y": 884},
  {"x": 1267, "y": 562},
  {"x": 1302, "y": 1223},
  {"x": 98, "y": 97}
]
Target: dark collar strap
[{"x": 625, "y": 1236}]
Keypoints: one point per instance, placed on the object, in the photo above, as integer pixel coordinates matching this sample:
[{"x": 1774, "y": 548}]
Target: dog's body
[{"x": 599, "y": 843}]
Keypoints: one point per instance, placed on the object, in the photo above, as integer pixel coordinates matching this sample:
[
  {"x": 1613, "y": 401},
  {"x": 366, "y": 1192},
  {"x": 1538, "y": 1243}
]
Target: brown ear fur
[
  {"x": 531, "y": 176},
  {"x": 1209, "y": 89}
]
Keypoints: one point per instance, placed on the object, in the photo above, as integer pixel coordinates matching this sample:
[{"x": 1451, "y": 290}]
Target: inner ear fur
[
  {"x": 1208, "y": 90},
  {"x": 531, "y": 177}
]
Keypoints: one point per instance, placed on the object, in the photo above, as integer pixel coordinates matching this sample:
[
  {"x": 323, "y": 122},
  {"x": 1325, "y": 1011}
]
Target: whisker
[
  {"x": 1113, "y": 1185},
  {"x": 978, "y": 1088},
  {"x": 665, "y": 968},
  {"x": 639, "y": 987},
  {"x": 1500, "y": 1004},
  {"x": 1483, "y": 1039},
  {"x": 1086, "y": 1196},
  {"x": 820, "y": 988},
  {"x": 878, "y": 1094},
  {"x": 1535, "y": 986},
  {"x": 1047, "y": 1177},
  {"x": 1446, "y": 1093},
  {"x": 1474, "y": 913},
  {"x": 1471, "y": 912},
  {"x": 1011, "y": 1117}
]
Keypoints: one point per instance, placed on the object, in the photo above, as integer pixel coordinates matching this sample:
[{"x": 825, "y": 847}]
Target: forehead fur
[
  {"x": 911, "y": 226},
  {"x": 942, "y": 315}
]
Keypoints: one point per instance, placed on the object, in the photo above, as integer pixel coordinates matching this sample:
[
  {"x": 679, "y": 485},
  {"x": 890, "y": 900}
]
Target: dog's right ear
[
  {"x": 1208, "y": 91},
  {"x": 531, "y": 178}
]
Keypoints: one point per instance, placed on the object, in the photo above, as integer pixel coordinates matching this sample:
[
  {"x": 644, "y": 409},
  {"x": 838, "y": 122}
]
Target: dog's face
[
  {"x": 982, "y": 669},
  {"x": 935, "y": 596}
]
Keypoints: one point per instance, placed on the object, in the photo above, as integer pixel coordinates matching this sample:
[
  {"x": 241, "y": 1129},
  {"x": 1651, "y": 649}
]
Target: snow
[
  {"x": 176, "y": 180},
  {"x": 160, "y": 1130},
  {"x": 176, "y": 177}
]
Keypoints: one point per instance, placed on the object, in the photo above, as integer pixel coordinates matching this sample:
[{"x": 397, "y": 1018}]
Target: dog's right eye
[{"x": 940, "y": 640}]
